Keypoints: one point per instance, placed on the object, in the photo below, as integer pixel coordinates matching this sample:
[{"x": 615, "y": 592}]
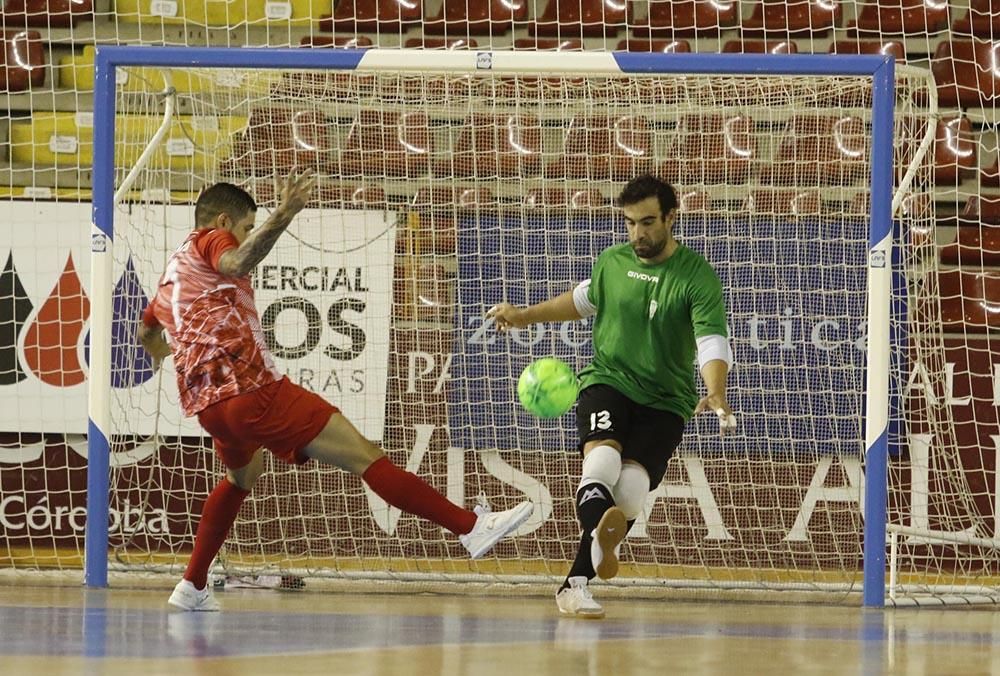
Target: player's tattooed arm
[{"x": 294, "y": 195}]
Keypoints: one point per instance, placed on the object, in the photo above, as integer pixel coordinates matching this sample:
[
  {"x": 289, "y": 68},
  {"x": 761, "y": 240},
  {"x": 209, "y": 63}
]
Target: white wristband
[{"x": 726, "y": 421}]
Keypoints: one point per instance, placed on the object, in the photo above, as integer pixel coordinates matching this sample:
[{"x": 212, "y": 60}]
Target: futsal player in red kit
[{"x": 227, "y": 377}]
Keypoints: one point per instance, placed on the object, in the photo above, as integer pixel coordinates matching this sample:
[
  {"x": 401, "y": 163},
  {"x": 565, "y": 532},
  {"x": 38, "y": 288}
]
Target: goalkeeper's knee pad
[
  {"x": 603, "y": 465},
  {"x": 631, "y": 489}
]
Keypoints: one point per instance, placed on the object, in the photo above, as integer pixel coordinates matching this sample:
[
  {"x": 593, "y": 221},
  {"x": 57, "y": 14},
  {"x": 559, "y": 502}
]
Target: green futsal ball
[{"x": 547, "y": 387}]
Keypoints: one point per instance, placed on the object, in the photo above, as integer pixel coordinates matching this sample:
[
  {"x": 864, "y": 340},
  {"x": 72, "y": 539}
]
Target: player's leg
[
  {"x": 340, "y": 444},
  {"x": 602, "y": 421},
  {"x": 217, "y": 518}
]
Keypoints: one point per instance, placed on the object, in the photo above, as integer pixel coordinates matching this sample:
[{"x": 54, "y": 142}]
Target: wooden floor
[{"x": 66, "y": 630}]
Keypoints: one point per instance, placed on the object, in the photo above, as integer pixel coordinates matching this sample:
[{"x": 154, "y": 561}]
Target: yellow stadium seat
[
  {"x": 76, "y": 72},
  {"x": 192, "y": 144},
  {"x": 52, "y": 139},
  {"x": 66, "y": 140},
  {"x": 284, "y": 12},
  {"x": 223, "y": 13},
  {"x": 208, "y": 13}
]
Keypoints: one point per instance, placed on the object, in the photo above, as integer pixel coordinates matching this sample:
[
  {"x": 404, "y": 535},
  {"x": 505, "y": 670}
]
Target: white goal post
[{"x": 803, "y": 179}]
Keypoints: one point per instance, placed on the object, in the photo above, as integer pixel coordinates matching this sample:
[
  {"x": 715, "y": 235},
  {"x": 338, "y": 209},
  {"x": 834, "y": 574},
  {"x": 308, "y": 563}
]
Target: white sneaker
[
  {"x": 576, "y": 600},
  {"x": 607, "y": 539},
  {"x": 492, "y": 526},
  {"x": 187, "y": 597}
]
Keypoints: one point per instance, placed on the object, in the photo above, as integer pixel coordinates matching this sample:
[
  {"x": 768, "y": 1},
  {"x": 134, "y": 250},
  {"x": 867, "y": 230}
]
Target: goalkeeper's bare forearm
[{"x": 558, "y": 309}]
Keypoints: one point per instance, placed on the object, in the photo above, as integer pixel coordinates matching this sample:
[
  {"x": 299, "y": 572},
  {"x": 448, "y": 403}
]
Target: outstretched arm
[
  {"x": 559, "y": 309},
  {"x": 293, "y": 197}
]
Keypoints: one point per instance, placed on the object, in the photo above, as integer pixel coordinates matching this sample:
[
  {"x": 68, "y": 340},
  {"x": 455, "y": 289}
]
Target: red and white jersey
[{"x": 215, "y": 334}]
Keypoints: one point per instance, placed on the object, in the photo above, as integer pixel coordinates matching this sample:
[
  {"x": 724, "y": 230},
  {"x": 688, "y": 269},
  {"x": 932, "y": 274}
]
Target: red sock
[
  {"x": 412, "y": 494},
  {"x": 217, "y": 517}
]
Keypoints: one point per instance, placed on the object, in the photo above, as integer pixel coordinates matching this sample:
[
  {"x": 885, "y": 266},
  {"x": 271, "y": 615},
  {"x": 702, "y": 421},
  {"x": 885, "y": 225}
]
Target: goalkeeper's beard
[{"x": 645, "y": 249}]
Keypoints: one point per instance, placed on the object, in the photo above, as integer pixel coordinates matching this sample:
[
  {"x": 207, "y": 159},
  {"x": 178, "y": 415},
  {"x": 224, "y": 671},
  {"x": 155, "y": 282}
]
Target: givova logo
[{"x": 55, "y": 346}]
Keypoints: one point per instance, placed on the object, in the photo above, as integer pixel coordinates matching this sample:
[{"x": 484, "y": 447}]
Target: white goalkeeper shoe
[
  {"x": 576, "y": 600},
  {"x": 607, "y": 540},
  {"x": 491, "y": 527},
  {"x": 187, "y": 597}
]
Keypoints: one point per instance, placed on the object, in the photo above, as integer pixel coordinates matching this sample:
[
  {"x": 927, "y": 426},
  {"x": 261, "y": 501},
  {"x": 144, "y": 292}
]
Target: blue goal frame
[{"x": 881, "y": 68}]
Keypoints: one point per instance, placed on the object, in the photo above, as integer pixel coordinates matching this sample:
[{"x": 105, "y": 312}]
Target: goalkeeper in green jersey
[{"x": 658, "y": 305}]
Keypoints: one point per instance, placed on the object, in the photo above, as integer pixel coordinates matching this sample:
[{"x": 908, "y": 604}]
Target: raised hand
[{"x": 295, "y": 191}]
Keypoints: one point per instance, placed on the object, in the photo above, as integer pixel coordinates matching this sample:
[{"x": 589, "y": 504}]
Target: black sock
[{"x": 592, "y": 500}]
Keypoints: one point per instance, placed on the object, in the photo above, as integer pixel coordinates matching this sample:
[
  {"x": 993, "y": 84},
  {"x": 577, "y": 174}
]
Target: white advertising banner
[{"x": 324, "y": 295}]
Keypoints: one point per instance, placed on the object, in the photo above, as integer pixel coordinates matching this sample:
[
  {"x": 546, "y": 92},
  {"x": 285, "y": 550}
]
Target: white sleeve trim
[
  {"x": 714, "y": 347},
  {"x": 581, "y": 301}
]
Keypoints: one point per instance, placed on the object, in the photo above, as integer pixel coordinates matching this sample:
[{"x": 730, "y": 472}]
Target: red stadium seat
[
  {"x": 982, "y": 19},
  {"x": 440, "y": 43},
  {"x": 23, "y": 64},
  {"x": 914, "y": 205},
  {"x": 327, "y": 196},
  {"x": 970, "y": 301},
  {"x": 782, "y": 18},
  {"x": 278, "y": 139},
  {"x": 966, "y": 72},
  {"x": 339, "y": 41},
  {"x": 694, "y": 202},
  {"x": 711, "y": 148},
  {"x": 974, "y": 245},
  {"x": 386, "y": 143},
  {"x": 823, "y": 149},
  {"x": 476, "y": 17},
  {"x": 660, "y": 46},
  {"x": 981, "y": 209},
  {"x": 784, "y": 202},
  {"x": 549, "y": 44},
  {"x": 990, "y": 176},
  {"x": 45, "y": 13},
  {"x": 954, "y": 151},
  {"x": 495, "y": 145},
  {"x": 602, "y": 148},
  {"x": 558, "y": 198},
  {"x": 452, "y": 199},
  {"x": 580, "y": 18},
  {"x": 906, "y": 17},
  {"x": 760, "y": 47},
  {"x": 684, "y": 18},
  {"x": 371, "y": 16},
  {"x": 889, "y": 47}
]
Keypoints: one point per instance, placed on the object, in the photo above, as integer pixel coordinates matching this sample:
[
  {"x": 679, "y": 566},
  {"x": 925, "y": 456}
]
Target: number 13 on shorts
[{"x": 600, "y": 420}]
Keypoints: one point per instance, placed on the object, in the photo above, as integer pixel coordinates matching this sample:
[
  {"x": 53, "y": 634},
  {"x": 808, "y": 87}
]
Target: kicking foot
[
  {"x": 607, "y": 537},
  {"x": 187, "y": 597},
  {"x": 576, "y": 600},
  {"x": 491, "y": 527}
]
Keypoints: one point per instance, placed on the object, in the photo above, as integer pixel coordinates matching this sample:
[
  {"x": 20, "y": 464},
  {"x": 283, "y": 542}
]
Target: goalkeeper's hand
[{"x": 717, "y": 404}]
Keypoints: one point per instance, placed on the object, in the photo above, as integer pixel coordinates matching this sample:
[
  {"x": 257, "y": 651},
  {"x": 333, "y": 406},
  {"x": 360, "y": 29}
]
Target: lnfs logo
[{"x": 55, "y": 345}]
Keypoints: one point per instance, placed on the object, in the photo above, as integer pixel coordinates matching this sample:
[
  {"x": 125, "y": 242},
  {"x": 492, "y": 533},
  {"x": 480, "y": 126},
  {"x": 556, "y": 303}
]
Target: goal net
[{"x": 449, "y": 186}]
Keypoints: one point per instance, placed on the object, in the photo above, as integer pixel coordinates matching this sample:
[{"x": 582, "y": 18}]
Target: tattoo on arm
[{"x": 242, "y": 260}]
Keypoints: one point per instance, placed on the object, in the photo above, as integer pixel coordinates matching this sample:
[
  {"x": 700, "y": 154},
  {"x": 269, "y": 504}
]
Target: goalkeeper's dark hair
[
  {"x": 222, "y": 198},
  {"x": 647, "y": 185}
]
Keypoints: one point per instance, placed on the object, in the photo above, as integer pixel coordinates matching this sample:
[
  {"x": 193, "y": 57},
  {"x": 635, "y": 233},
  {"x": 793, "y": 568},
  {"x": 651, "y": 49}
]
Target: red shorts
[{"x": 282, "y": 417}]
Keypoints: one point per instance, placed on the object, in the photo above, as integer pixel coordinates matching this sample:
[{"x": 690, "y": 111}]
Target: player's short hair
[
  {"x": 222, "y": 198},
  {"x": 647, "y": 185}
]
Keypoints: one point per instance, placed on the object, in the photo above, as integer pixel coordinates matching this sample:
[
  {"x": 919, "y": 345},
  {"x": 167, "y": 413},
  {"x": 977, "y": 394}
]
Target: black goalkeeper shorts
[{"x": 647, "y": 435}]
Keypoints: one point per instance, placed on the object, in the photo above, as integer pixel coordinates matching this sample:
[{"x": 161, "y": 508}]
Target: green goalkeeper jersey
[{"x": 648, "y": 319}]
